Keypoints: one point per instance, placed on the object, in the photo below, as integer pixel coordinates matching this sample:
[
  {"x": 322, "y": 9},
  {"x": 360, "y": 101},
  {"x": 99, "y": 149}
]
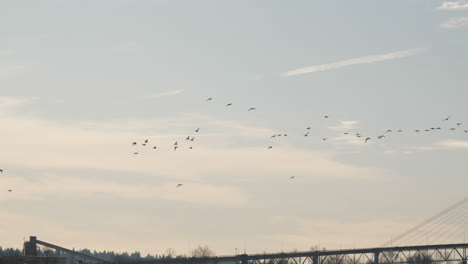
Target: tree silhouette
[
  {"x": 170, "y": 253},
  {"x": 202, "y": 252}
]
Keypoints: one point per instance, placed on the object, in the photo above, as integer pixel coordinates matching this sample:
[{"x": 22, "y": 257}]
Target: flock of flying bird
[
  {"x": 366, "y": 139},
  {"x": 176, "y": 144}
]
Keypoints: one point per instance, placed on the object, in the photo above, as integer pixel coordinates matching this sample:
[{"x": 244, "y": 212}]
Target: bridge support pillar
[
  {"x": 316, "y": 259},
  {"x": 376, "y": 257},
  {"x": 30, "y": 247},
  {"x": 244, "y": 259}
]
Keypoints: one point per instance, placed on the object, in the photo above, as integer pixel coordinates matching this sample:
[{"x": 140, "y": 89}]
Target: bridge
[
  {"x": 384, "y": 255},
  {"x": 422, "y": 254},
  {"x": 422, "y": 244}
]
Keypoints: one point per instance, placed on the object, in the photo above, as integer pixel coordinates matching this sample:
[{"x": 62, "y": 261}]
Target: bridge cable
[
  {"x": 441, "y": 225},
  {"x": 427, "y": 221},
  {"x": 456, "y": 227}
]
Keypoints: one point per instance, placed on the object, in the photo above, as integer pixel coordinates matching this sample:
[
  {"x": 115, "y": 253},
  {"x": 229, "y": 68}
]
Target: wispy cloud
[
  {"x": 360, "y": 60},
  {"x": 59, "y": 186},
  {"x": 12, "y": 103},
  {"x": 349, "y": 139},
  {"x": 168, "y": 93},
  {"x": 455, "y": 22},
  {"x": 424, "y": 148},
  {"x": 460, "y": 144},
  {"x": 454, "y": 5},
  {"x": 68, "y": 145},
  {"x": 344, "y": 125}
]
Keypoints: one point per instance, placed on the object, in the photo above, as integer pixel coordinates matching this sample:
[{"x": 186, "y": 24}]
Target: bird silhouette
[
  {"x": 292, "y": 177},
  {"x": 367, "y": 139},
  {"x": 400, "y": 131},
  {"x": 324, "y": 139},
  {"x": 417, "y": 131},
  {"x": 175, "y": 144},
  {"x": 155, "y": 147},
  {"x": 346, "y": 133},
  {"x": 459, "y": 124},
  {"x": 453, "y": 128},
  {"x": 9, "y": 190},
  {"x": 188, "y": 138},
  {"x": 466, "y": 131},
  {"x": 209, "y": 99},
  {"x": 382, "y": 136},
  {"x": 1, "y": 170},
  {"x": 446, "y": 119},
  {"x": 198, "y": 129},
  {"x": 134, "y": 143},
  {"x": 175, "y": 148},
  {"x": 306, "y": 134},
  {"x": 388, "y": 131},
  {"x": 179, "y": 185},
  {"x": 190, "y": 148},
  {"x": 229, "y": 104},
  {"x": 273, "y": 136},
  {"x": 285, "y": 135},
  {"x": 308, "y": 128},
  {"x": 146, "y": 140},
  {"x": 325, "y": 116},
  {"x": 270, "y": 147},
  {"x": 144, "y": 144},
  {"x": 251, "y": 109},
  {"x": 192, "y": 138}
]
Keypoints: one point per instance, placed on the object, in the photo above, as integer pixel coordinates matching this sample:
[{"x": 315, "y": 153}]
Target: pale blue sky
[{"x": 81, "y": 80}]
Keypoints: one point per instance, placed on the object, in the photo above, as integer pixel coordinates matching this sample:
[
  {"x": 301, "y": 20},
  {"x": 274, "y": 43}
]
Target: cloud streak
[
  {"x": 68, "y": 147},
  {"x": 168, "y": 93},
  {"x": 455, "y": 22},
  {"x": 454, "y": 5},
  {"x": 355, "y": 61},
  {"x": 344, "y": 125},
  {"x": 458, "y": 144},
  {"x": 8, "y": 104},
  {"x": 59, "y": 186}
]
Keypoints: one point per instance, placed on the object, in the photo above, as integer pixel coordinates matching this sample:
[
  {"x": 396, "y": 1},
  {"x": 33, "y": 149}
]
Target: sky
[{"x": 81, "y": 80}]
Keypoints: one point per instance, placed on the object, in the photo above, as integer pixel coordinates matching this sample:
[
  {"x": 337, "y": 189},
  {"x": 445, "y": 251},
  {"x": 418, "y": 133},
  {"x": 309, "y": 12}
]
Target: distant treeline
[
  {"x": 105, "y": 255},
  {"x": 111, "y": 256}
]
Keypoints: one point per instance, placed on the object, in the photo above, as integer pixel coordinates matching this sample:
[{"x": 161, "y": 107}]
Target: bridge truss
[{"x": 447, "y": 253}]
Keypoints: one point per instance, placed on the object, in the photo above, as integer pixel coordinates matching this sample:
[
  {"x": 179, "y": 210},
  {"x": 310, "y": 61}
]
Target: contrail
[{"x": 360, "y": 60}]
